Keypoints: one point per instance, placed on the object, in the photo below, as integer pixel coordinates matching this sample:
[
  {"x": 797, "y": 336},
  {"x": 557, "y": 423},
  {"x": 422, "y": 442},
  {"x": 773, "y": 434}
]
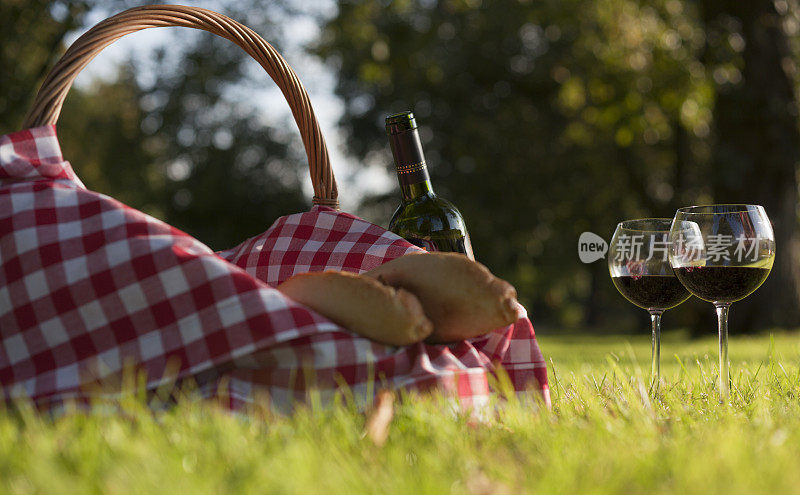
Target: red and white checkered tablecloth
[{"x": 88, "y": 285}]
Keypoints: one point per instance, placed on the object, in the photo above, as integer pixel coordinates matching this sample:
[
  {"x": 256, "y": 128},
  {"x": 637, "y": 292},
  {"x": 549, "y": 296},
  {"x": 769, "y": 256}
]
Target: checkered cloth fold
[{"x": 88, "y": 284}]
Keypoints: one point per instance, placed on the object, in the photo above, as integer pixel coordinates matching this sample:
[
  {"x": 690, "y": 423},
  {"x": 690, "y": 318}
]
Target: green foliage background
[
  {"x": 541, "y": 120},
  {"x": 179, "y": 143},
  {"x": 546, "y": 119}
]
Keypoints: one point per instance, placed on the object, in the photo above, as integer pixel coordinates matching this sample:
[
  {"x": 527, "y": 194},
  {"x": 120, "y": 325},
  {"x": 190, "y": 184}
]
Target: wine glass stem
[
  {"x": 724, "y": 365},
  {"x": 655, "y": 366}
]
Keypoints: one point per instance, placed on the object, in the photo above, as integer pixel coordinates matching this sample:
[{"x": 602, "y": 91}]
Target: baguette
[
  {"x": 460, "y": 296},
  {"x": 361, "y": 304}
]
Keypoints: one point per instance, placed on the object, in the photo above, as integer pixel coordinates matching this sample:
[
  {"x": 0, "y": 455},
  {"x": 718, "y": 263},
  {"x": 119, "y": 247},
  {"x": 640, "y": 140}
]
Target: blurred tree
[
  {"x": 170, "y": 135},
  {"x": 99, "y": 131},
  {"x": 228, "y": 174},
  {"x": 757, "y": 142},
  {"x": 32, "y": 34},
  {"x": 541, "y": 120}
]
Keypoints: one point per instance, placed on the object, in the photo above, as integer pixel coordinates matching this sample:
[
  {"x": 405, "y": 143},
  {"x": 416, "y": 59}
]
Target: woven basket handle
[{"x": 47, "y": 105}]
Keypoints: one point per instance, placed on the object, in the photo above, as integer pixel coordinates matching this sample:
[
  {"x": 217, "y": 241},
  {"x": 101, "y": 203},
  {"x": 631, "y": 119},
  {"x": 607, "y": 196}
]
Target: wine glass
[
  {"x": 638, "y": 262},
  {"x": 722, "y": 254}
]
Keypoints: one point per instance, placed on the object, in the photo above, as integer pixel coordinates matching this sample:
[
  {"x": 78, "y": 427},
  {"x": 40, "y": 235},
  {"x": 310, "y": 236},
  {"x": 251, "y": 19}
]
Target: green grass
[{"x": 605, "y": 434}]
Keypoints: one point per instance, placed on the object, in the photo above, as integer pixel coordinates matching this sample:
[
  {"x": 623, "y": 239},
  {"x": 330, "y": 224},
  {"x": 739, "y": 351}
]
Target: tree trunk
[{"x": 758, "y": 148}]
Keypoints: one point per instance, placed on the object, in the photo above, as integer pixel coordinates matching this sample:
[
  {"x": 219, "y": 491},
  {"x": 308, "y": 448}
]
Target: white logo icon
[{"x": 591, "y": 247}]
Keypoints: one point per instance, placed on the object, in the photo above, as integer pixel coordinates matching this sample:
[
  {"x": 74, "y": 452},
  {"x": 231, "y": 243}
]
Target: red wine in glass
[
  {"x": 722, "y": 254},
  {"x": 638, "y": 262},
  {"x": 652, "y": 291},
  {"x": 724, "y": 284}
]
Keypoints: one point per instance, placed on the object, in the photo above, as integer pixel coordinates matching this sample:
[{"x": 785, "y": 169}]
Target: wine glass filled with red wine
[
  {"x": 638, "y": 261},
  {"x": 722, "y": 254}
]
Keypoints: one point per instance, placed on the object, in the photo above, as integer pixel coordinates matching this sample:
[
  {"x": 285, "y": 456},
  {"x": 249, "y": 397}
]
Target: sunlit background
[{"x": 540, "y": 120}]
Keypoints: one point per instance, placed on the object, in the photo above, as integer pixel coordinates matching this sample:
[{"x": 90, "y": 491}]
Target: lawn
[{"x": 605, "y": 434}]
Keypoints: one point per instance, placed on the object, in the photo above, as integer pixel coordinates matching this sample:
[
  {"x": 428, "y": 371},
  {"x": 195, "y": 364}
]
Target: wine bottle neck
[
  {"x": 409, "y": 161},
  {"x": 410, "y": 192}
]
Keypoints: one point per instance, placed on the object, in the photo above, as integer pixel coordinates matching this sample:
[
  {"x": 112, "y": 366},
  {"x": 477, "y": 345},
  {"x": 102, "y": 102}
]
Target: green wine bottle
[{"x": 423, "y": 218}]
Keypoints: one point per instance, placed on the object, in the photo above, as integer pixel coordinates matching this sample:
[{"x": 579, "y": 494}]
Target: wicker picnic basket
[
  {"x": 87, "y": 282},
  {"x": 47, "y": 105}
]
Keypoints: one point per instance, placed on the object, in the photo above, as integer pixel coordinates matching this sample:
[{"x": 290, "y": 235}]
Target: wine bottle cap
[{"x": 400, "y": 122}]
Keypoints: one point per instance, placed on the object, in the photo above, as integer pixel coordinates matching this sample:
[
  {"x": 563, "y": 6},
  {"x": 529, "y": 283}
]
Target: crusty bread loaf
[
  {"x": 460, "y": 296},
  {"x": 361, "y": 304}
]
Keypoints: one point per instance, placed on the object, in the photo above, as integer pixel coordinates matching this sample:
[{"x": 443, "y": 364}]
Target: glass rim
[
  {"x": 667, "y": 221},
  {"x": 734, "y": 208}
]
